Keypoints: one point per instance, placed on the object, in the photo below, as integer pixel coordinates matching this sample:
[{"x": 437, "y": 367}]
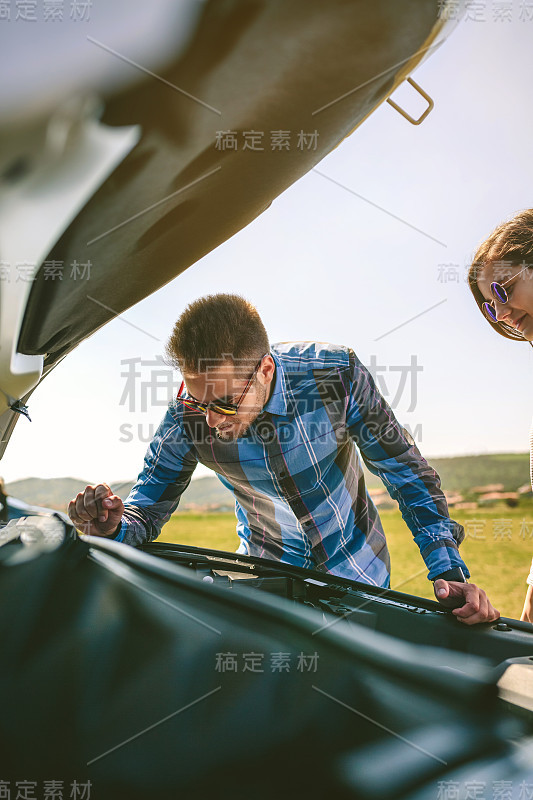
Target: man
[{"x": 278, "y": 425}]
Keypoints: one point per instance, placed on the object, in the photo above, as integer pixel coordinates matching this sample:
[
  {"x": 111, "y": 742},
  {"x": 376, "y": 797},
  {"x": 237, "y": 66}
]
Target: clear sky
[{"x": 323, "y": 263}]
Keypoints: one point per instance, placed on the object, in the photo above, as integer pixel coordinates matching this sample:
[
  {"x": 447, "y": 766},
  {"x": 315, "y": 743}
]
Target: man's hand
[
  {"x": 96, "y": 510},
  {"x": 470, "y": 603}
]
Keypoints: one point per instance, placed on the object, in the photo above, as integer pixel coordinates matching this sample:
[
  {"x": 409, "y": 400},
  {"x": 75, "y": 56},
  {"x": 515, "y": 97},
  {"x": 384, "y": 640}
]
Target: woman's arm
[{"x": 527, "y": 613}]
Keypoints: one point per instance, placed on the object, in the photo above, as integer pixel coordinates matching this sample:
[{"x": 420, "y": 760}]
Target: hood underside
[{"x": 141, "y": 182}]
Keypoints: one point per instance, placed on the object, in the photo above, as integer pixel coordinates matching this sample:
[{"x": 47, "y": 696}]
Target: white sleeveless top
[{"x": 530, "y": 576}]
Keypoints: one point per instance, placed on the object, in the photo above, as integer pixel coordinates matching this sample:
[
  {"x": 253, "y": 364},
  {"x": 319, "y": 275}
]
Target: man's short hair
[{"x": 217, "y": 329}]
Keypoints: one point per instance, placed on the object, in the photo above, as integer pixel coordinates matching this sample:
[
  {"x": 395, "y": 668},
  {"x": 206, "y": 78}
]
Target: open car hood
[{"x": 129, "y": 178}]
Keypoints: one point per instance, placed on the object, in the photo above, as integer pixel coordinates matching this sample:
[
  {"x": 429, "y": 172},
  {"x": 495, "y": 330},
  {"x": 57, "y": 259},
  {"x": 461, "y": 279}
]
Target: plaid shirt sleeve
[
  {"x": 390, "y": 452},
  {"x": 168, "y": 467}
]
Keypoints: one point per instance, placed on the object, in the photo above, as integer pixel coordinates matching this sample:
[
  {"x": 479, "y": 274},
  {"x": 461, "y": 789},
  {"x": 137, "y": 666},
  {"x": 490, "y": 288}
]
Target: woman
[
  {"x": 501, "y": 280},
  {"x": 4, "y": 511}
]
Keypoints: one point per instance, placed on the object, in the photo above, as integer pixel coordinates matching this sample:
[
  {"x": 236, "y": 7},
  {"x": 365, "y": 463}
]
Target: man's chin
[
  {"x": 236, "y": 429},
  {"x": 230, "y": 434}
]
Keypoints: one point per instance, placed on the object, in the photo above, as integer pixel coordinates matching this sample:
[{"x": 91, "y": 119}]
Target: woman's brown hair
[{"x": 510, "y": 244}]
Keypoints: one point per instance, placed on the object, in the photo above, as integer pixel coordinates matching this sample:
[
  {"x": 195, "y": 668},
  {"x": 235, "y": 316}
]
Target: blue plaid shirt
[{"x": 296, "y": 476}]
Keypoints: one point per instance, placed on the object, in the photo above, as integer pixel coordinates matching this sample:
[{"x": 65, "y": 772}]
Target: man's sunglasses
[
  {"x": 218, "y": 406},
  {"x": 499, "y": 292}
]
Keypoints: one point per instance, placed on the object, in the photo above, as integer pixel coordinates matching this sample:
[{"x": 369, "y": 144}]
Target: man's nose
[{"x": 213, "y": 418}]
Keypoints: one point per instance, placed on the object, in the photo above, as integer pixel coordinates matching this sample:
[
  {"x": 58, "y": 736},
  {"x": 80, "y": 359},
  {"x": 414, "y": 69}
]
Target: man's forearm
[{"x": 140, "y": 524}]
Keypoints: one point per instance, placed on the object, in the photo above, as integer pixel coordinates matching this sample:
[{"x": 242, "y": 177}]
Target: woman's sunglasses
[
  {"x": 499, "y": 292},
  {"x": 218, "y": 406}
]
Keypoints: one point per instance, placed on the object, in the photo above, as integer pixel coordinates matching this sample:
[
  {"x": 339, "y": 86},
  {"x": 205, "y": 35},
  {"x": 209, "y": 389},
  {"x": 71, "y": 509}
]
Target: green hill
[
  {"x": 460, "y": 474},
  {"x": 49, "y": 492}
]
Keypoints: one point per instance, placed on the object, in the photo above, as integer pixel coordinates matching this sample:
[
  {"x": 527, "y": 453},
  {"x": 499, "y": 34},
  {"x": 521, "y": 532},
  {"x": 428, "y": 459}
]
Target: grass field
[{"x": 497, "y": 549}]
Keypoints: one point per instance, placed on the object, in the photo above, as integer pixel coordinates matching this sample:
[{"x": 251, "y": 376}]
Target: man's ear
[{"x": 266, "y": 370}]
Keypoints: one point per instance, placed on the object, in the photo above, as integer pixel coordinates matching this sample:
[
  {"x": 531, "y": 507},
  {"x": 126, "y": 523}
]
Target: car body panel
[{"x": 146, "y": 689}]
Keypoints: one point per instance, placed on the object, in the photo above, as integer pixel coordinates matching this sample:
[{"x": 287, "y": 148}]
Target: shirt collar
[{"x": 277, "y": 404}]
